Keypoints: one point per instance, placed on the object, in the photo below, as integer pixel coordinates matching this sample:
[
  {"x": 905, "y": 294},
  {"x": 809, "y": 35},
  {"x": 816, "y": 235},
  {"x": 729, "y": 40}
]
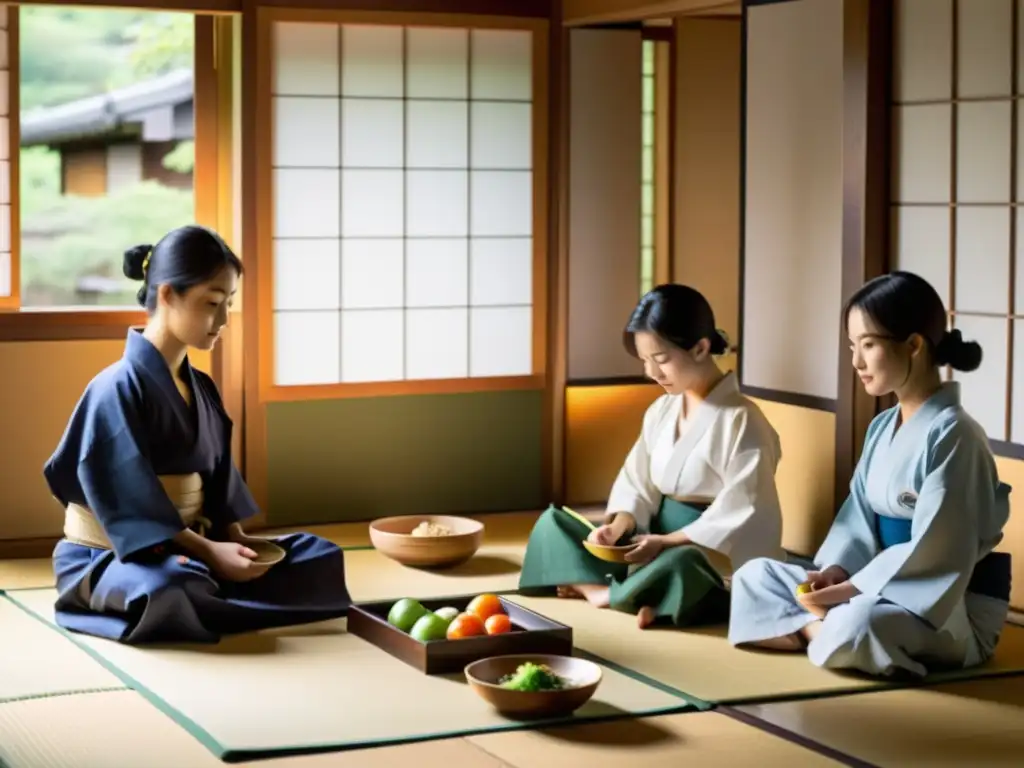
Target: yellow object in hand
[{"x": 803, "y": 589}]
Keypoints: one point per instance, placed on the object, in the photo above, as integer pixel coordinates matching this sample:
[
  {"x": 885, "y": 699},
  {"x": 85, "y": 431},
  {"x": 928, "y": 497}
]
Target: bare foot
[
  {"x": 569, "y": 592},
  {"x": 790, "y": 643},
  {"x": 595, "y": 594},
  {"x": 811, "y": 630},
  {"x": 645, "y": 617}
]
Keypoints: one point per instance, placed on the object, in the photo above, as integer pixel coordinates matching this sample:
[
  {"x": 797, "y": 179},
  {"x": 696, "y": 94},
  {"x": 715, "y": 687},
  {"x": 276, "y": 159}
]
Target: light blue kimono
[{"x": 926, "y": 509}]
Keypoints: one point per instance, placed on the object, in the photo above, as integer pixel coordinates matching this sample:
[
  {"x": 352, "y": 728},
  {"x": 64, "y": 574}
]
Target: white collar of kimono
[{"x": 725, "y": 392}]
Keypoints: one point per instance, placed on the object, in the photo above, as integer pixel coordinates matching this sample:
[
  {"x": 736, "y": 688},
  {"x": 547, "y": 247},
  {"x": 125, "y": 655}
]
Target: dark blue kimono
[{"x": 131, "y": 426}]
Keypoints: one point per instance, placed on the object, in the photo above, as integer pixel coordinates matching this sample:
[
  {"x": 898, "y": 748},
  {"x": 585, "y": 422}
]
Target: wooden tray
[{"x": 531, "y": 633}]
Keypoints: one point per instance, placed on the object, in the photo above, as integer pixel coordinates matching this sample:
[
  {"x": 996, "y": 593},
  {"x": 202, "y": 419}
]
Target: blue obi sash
[
  {"x": 892, "y": 530},
  {"x": 991, "y": 577}
]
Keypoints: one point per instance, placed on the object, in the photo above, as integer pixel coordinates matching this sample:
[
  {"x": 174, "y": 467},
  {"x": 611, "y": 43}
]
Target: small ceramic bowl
[
  {"x": 610, "y": 554},
  {"x": 582, "y": 679},
  {"x": 392, "y": 536},
  {"x": 267, "y": 552}
]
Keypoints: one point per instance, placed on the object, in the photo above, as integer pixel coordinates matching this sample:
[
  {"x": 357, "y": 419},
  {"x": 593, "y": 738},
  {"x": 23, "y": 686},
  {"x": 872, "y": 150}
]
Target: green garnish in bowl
[{"x": 533, "y": 677}]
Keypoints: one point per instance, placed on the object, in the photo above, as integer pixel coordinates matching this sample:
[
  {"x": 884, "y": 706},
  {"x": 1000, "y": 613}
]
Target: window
[
  {"x": 106, "y": 149},
  {"x": 403, "y": 205},
  {"x": 647, "y": 218},
  {"x": 957, "y": 188}
]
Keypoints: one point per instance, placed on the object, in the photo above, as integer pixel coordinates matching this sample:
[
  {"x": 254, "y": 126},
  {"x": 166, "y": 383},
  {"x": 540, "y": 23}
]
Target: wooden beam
[
  {"x": 867, "y": 78},
  {"x": 69, "y": 325},
  {"x": 531, "y": 8},
  {"x": 586, "y": 12},
  {"x": 193, "y": 6},
  {"x": 512, "y": 8}
]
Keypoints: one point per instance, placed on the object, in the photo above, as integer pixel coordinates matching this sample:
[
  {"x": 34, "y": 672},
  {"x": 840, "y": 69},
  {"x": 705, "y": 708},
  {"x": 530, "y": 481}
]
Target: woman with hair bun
[
  {"x": 696, "y": 495},
  {"x": 153, "y": 548},
  {"x": 906, "y": 581}
]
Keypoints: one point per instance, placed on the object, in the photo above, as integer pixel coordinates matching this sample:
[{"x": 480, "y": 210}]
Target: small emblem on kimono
[{"x": 907, "y": 499}]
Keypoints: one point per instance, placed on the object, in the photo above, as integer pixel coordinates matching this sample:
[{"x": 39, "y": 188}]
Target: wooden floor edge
[
  {"x": 793, "y": 737},
  {"x": 27, "y": 549}
]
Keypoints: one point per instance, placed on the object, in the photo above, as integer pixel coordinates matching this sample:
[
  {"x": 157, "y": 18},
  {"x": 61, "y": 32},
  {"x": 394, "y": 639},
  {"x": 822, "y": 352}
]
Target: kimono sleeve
[
  {"x": 239, "y": 504},
  {"x": 103, "y": 464},
  {"x": 851, "y": 542},
  {"x": 929, "y": 574},
  {"x": 746, "y": 516},
  {"x": 634, "y": 491}
]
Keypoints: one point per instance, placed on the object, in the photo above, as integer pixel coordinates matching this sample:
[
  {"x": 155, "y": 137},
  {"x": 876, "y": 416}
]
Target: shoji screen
[
  {"x": 957, "y": 182},
  {"x": 793, "y": 202}
]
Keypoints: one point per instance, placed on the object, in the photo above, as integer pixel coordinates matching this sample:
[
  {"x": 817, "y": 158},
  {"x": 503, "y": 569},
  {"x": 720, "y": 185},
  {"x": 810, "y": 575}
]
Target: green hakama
[{"x": 680, "y": 584}]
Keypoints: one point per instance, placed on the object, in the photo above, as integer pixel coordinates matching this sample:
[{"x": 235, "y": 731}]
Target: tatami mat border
[
  {"x": 240, "y": 755},
  {"x": 698, "y": 705}
]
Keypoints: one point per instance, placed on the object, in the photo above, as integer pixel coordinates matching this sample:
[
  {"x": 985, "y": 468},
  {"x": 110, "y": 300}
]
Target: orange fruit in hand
[
  {"x": 485, "y": 606},
  {"x": 465, "y": 625},
  {"x": 498, "y": 624}
]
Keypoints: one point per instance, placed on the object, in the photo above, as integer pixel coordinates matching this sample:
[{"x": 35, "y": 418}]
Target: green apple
[
  {"x": 405, "y": 613},
  {"x": 429, "y": 627},
  {"x": 447, "y": 613}
]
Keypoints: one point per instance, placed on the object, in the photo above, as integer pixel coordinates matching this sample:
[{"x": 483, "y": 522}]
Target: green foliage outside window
[{"x": 69, "y": 54}]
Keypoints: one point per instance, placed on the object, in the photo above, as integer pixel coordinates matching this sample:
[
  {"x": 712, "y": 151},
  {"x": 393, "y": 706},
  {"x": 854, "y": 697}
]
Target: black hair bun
[
  {"x": 134, "y": 258},
  {"x": 957, "y": 353},
  {"x": 719, "y": 342}
]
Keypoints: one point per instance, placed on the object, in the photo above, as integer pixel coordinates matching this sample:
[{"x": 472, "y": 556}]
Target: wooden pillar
[
  {"x": 558, "y": 258},
  {"x": 867, "y": 78}
]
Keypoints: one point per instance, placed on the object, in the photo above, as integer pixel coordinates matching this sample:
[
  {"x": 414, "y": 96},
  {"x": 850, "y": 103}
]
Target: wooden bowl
[
  {"x": 582, "y": 679},
  {"x": 267, "y": 552},
  {"x": 607, "y": 553},
  {"x": 392, "y": 536}
]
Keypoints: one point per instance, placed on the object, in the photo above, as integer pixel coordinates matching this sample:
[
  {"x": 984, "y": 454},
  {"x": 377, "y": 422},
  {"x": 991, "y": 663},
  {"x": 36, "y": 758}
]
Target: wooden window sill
[{"x": 71, "y": 324}]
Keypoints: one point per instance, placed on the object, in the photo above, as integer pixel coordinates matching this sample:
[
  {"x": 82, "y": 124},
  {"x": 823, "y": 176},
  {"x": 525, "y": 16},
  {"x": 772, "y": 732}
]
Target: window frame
[
  {"x": 13, "y": 74},
  {"x": 18, "y": 323},
  {"x": 663, "y": 38},
  {"x": 1004, "y": 446},
  {"x": 258, "y": 165}
]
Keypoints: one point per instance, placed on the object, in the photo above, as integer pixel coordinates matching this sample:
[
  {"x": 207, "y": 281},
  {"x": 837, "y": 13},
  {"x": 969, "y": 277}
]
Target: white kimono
[
  {"x": 726, "y": 456},
  {"x": 914, "y": 609}
]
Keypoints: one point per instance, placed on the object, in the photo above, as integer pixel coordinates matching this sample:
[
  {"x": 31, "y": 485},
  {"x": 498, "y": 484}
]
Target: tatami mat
[
  {"x": 499, "y": 528},
  {"x": 373, "y": 576},
  {"x": 36, "y": 661},
  {"x": 339, "y": 689},
  {"x": 494, "y": 568},
  {"x": 700, "y": 662},
  {"x": 370, "y": 575},
  {"x": 123, "y": 730},
  {"x": 977, "y": 723},
  {"x": 672, "y": 741}
]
